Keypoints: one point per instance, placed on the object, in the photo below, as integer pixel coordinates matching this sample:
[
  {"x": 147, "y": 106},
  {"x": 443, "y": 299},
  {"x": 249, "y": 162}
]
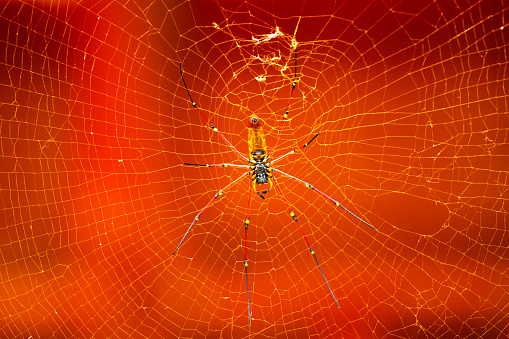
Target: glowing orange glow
[{"x": 410, "y": 101}]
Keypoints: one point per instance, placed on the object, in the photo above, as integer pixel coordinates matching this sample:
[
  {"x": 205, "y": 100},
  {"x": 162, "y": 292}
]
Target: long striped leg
[
  {"x": 296, "y": 150},
  {"x": 216, "y": 165},
  {"x": 294, "y": 217},
  {"x": 207, "y": 120},
  {"x": 261, "y": 194},
  {"x": 324, "y": 195},
  {"x": 285, "y": 116},
  {"x": 218, "y": 194},
  {"x": 246, "y": 225}
]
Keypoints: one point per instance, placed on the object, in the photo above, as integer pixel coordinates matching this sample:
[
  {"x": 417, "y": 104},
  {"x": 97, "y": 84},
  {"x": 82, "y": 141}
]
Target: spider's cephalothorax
[{"x": 260, "y": 171}]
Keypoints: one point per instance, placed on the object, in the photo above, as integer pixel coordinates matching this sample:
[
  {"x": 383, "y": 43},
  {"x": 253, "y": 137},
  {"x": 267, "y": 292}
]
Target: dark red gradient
[{"x": 410, "y": 100}]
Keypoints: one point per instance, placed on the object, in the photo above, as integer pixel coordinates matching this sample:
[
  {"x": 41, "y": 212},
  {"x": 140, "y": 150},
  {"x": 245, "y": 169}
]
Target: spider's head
[{"x": 254, "y": 122}]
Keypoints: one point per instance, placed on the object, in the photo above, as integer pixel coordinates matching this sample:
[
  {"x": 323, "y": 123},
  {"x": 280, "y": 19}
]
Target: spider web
[{"x": 410, "y": 100}]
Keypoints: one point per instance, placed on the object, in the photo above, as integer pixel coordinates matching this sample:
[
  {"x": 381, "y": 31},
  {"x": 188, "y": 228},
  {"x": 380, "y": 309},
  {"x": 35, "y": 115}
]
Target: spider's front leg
[
  {"x": 295, "y": 150},
  {"x": 215, "y": 165},
  {"x": 287, "y": 111},
  {"x": 207, "y": 120}
]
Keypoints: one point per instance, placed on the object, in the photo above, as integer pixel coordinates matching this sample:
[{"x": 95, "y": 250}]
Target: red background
[{"x": 409, "y": 98}]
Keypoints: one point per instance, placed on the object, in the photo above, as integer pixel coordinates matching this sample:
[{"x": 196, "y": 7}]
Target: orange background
[{"x": 409, "y": 98}]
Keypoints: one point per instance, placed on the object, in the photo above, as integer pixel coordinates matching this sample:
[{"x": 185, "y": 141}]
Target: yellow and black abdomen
[{"x": 256, "y": 140}]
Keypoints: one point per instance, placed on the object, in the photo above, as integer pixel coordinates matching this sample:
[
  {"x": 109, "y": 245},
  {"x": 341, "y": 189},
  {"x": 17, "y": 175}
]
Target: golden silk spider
[{"x": 261, "y": 172}]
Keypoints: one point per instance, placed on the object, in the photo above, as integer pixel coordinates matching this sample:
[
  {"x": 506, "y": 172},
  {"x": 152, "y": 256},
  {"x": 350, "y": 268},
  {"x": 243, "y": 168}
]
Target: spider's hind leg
[
  {"x": 217, "y": 195},
  {"x": 262, "y": 194},
  {"x": 270, "y": 183},
  {"x": 294, "y": 217},
  {"x": 246, "y": 226}
]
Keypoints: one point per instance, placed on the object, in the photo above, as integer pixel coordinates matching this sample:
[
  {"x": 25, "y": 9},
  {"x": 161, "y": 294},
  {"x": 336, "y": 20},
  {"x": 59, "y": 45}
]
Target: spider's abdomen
[
  {"x": 258, "y": 153},
  {"x": 256, "y": 140}
]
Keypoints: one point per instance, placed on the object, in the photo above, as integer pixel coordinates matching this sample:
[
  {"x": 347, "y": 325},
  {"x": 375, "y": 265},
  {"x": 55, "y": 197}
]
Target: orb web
[{"x": 410, "y": 100}]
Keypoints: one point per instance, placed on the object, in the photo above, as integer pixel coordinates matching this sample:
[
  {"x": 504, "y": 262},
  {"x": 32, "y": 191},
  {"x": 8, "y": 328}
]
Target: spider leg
[
  {"x": 246, "y": 225},
  {"x": 285, "y": 116},
  {"x": 324, "y": 195},
  {"x": 254, "y": 186},
  {"x": 296, "y": 150},
  {"x": 216, "y": 165},
  {"x": 294, "y": 217},
  {"x": 207, "y": 120},
  {"x": 270, "y": 183},
  {"x": 261, "y": 194},
  {"x": 218, "y": 194}
]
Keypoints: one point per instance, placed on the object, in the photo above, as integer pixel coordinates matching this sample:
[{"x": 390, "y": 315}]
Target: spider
[{"x": 261, "y": 172}]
